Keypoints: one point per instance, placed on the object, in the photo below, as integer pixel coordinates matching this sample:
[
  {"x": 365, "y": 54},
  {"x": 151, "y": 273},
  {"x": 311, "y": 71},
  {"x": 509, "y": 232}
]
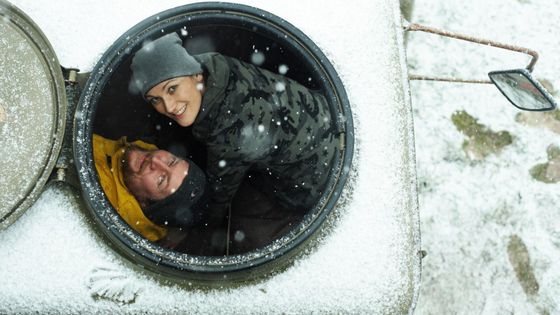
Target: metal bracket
[{"x": 422, "y": 28}]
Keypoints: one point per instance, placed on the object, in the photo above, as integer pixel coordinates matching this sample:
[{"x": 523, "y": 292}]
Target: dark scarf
[{"x": 186, "y": 206}]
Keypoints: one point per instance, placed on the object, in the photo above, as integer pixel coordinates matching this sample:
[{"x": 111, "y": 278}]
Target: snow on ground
[{"x": 479, "y": 220}]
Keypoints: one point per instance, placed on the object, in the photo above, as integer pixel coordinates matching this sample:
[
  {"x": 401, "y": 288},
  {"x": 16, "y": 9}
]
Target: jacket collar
[{"x": 216, "y": 70}]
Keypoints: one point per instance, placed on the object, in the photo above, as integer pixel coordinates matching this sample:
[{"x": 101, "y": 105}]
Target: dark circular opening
[{"x": 108, "y": 109}]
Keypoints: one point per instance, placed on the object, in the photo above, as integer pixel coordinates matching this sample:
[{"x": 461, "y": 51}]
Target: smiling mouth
[{"x": 181, "y": 111}]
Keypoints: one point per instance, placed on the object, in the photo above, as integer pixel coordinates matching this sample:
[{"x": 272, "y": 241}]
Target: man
[
  {"x": 171, "y": 192},
  {"x": 169, "y": 189},
  {"x": 129, "y": 174},
  {"x": 108, "y": 156},
  {"x": 251, "y": 121},
  {"x": 164, "y": 216}
]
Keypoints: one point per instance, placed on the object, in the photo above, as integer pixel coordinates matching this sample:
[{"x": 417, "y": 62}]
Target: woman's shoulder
[{"x": 213, "y": 61}]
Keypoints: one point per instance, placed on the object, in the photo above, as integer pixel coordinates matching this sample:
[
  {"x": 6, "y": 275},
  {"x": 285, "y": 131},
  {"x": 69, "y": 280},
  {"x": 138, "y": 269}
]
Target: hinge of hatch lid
[
  {"x": 70, "y": 75},
  {"x": 73, "y": 76},
  {"x": 64, "y": 169}
]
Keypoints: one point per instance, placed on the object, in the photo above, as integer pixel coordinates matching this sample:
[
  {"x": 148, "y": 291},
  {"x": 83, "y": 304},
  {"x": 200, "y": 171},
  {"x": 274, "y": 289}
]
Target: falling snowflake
[
  {"x": 280, "y": 87},
  {"x": 239, "y": 236},
  {"x": 283, "y": 69},
  {"x": 257, "y": 58}
]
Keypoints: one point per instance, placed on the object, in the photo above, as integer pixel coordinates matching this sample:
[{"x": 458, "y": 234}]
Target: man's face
[
  {"x": 153, "y": 175},
  {"x": 178, "y": 98}
]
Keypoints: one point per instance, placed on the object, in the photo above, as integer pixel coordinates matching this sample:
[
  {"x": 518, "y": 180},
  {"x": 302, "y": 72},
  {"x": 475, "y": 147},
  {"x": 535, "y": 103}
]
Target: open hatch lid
[{"x": 32, "y": 112}]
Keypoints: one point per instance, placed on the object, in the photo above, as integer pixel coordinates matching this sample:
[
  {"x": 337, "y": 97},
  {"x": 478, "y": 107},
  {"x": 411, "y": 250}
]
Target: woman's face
[{"x": 178, "y": 98}]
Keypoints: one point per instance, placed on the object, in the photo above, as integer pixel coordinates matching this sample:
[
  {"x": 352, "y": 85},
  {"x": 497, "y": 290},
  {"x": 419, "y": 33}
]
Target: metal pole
[{"x": 446, "y": 79}]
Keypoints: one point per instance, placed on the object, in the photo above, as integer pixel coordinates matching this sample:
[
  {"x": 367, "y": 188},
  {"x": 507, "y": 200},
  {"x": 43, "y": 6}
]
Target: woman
[{"x": 250, "y": 119}]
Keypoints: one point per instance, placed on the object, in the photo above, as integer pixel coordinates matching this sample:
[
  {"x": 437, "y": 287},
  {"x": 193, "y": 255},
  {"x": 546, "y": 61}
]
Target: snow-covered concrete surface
[
  {"x": 491, "y": 231},
  {"x": 53, "y": 262}
]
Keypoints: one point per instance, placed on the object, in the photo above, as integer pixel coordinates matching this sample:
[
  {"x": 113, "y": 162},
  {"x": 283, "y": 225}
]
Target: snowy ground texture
[{"x": 491, "y": 231}]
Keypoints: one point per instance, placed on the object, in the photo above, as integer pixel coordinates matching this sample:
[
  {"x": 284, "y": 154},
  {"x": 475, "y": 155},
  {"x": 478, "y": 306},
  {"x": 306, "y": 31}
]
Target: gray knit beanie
[{"x": 162, "y": 59}]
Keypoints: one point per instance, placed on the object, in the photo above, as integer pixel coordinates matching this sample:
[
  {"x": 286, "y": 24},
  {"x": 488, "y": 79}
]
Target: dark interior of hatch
[{"x": 255, "y": 219}]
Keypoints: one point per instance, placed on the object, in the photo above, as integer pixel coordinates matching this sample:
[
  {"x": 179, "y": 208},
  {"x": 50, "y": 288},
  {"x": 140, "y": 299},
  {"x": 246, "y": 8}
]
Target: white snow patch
[{"x": 470, "y": 210}]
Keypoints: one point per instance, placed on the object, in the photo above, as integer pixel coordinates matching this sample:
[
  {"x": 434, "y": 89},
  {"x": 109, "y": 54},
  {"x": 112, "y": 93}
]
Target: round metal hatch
[
  {"x": 32, "y": 112},
  {"x": 220, "y": 23}
]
